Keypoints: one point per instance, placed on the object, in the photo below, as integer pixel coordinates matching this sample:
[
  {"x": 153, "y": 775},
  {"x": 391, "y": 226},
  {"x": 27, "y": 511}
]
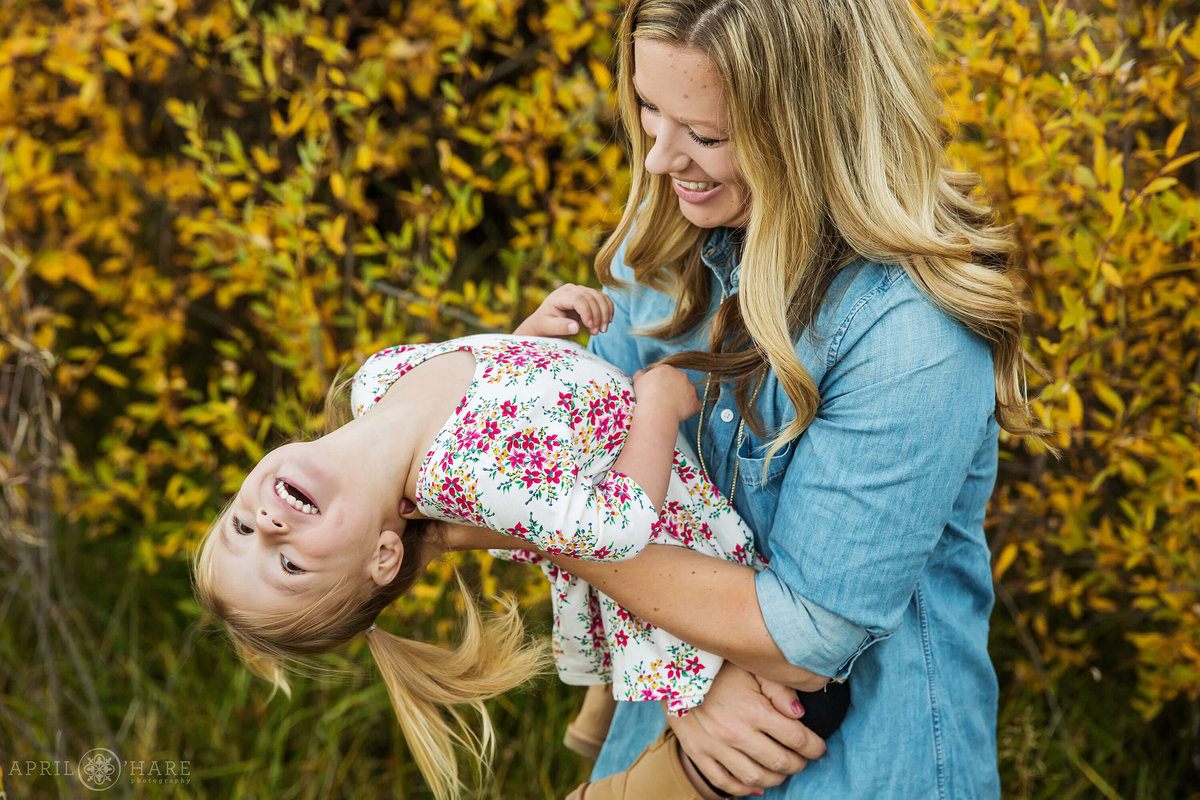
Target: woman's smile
[{"x": 696, "y": 192}]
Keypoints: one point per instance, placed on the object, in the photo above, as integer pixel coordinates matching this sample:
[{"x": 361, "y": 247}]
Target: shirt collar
[{"x": 721, "y": 253}]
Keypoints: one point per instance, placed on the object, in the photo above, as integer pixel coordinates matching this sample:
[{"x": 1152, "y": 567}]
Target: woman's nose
[
  {"x": 665, "y": 156},
  {"x": 268, "y": 523}
]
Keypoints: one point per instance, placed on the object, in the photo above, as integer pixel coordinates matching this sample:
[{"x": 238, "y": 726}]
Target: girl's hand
[
  {"x": 564, "y": 309},
  {"x": 738, "y": 738},
  {"x": 666, "y": 389}
]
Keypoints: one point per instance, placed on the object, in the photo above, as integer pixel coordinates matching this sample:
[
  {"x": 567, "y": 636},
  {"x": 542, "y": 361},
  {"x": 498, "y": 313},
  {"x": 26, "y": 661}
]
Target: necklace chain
[{"x": 741, "y": 431}]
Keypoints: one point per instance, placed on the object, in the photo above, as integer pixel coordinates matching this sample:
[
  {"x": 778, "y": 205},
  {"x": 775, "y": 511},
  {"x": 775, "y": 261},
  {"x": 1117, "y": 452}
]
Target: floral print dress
[{"x": 529, "y": 452}]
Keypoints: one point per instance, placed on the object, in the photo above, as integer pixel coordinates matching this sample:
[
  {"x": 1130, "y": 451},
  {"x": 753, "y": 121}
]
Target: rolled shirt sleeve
[{"x": 907, "y": 395}]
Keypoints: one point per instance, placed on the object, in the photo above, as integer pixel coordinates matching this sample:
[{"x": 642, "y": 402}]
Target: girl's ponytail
[{"x": 428, "y": 686}]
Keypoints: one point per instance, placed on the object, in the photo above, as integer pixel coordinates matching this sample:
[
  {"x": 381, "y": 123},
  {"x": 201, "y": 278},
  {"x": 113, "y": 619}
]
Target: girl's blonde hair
[
  {"x": 428, "y": 685},
  {"x": 834, "y": 119}
]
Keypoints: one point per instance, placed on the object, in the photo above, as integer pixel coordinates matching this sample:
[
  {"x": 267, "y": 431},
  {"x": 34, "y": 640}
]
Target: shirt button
[{"x": 727, "y": 415}]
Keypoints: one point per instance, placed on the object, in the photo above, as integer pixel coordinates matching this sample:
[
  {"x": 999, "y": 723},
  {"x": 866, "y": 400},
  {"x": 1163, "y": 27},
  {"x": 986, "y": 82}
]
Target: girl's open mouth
[{"x": 295, "y": 498}]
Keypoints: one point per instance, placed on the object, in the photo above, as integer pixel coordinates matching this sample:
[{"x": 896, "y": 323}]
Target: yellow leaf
[
  {"x": 1005, "y": 560},
  {"x": 1159, "y": 184},
  {"x": 54, "y": 266},
  {"x": 118, "y": 61},
  {"x": 1074, "y": 407},
  {"x": 1110, "y": 273},
  {"x": 1116, "y": 174},
  {"x": 110, "y": 376},
  {"x": 1109, "y": 397},
  {"x": 364, "y": 158},
  {"x": 337, "y": 185},
  {"x": 1175, "y": 138},
  {"x": 334, "y": 235},
  {"x": 1176, "y": 163},
  {"x": 264, "y": 162}
]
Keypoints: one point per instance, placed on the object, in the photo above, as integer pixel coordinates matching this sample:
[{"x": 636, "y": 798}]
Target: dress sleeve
[
  {"x": 905, "y": 417},
  {"x": 529, "y": 480}
]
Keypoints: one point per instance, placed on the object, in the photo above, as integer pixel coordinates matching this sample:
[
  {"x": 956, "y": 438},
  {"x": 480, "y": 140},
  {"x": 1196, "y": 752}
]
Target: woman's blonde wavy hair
[
  {"x": 834, "y": 119},
  {"x": 429, "y": 686}
]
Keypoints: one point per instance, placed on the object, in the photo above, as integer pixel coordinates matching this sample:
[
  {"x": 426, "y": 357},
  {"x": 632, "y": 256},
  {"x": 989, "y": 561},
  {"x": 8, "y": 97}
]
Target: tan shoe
[
  {"x": 585, "y": 734},
  {"x": 656, "y": 775}
]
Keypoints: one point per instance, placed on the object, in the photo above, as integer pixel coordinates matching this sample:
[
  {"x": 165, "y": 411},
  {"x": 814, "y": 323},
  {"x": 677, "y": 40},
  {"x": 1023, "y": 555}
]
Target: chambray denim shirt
[{"x": 872, "y": 521}]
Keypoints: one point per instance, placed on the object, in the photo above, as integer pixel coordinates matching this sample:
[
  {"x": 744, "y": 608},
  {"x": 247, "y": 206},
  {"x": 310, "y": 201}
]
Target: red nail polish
[
  {"x": 757, "y": 793},
  {"x": 797, "y": 709}
]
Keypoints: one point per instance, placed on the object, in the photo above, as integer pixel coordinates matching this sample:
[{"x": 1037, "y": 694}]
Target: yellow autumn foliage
[{"x": 209, "y": 209}]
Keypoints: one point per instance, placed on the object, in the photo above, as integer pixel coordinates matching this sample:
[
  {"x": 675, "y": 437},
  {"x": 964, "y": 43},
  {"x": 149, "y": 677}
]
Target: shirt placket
[{"x": 721, "y": 417}]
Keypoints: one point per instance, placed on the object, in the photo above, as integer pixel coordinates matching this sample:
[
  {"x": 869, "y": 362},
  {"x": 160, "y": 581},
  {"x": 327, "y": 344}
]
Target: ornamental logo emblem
[{"x": 99, "y": 769}]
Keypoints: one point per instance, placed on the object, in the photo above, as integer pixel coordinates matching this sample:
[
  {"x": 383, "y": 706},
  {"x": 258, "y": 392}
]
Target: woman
[{"x": 795, "y": 238}]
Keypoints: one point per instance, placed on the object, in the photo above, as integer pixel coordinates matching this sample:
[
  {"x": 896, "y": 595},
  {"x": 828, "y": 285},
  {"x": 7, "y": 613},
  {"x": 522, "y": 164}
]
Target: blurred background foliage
[{"x": 208, "y": 209}]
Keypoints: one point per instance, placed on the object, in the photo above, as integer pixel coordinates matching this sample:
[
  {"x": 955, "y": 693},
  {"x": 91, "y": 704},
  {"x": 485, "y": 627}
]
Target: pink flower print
[
  {"x": 553, "y": 474},
  {"x": 468, "y": 438},
  {"x": 621, "y": 638},
  {"x": 693, "y": 665},
  {"x": 516, "y": 459},
  {"x": 531, "y": 478},
  {"x": 519, "y": 531},
  {"x": 508, "y": 409},
  {"x": 564, "y": 400},
  {"x": 527, "y": 440},
  {"x": 491, "y": 429}
]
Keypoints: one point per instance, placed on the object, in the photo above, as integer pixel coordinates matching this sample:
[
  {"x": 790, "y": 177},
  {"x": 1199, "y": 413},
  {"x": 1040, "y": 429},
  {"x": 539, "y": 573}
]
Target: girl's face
[
  {"x": 684, "y": 112},
  {"x": 305, "y": 517}
]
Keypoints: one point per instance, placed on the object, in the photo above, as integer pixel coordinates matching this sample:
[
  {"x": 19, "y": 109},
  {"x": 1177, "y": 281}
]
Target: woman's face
[{"x": 684, "y": 112}]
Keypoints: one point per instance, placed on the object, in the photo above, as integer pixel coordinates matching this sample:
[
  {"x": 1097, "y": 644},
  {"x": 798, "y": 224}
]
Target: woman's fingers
[
  {"x": 783, "y": 698},
  {"x": 738, "y": 738},
  {"x": 723, "y": 758}
]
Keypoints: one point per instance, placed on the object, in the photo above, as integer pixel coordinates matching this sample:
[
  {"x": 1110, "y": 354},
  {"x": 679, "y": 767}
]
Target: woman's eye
[
  {"x": 241, "y": 527},
  {"x": 643, "y": 104},
  {"x": 705, "y": 141},
  {"x": 288, "y": 566}
]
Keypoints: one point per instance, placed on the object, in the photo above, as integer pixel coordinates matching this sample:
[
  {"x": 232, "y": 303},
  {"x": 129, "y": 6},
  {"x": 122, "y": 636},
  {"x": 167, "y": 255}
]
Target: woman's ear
[{"x": 387, "y": 558}]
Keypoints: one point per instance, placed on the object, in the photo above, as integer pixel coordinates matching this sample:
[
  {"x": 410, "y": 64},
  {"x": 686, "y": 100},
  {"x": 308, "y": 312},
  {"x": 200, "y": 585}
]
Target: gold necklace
[{"x": 737, "y": 448}]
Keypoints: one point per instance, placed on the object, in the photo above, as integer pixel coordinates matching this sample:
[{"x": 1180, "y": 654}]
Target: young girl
[{"x": 535, "y": 440}]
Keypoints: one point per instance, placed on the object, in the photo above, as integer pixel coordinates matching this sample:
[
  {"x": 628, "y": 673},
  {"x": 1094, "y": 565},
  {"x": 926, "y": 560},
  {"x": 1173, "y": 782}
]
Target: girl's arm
[{"x": 665, "y": 397}]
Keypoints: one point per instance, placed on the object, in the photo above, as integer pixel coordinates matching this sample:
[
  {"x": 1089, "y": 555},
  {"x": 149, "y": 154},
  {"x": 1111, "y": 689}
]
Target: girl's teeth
[
  {"x": 697, "y": 186},
  {"x": 296, "y": 503}
]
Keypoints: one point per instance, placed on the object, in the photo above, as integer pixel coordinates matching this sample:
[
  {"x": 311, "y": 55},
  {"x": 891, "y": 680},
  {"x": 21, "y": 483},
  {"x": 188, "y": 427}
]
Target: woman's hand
[
  {"x": 746, "y": 735},
  {"x": 561, "y": 313}
]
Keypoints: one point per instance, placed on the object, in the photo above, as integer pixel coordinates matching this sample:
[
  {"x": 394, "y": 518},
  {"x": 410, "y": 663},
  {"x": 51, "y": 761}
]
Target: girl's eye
[
  {"x": 241, "y": 527},
  {"x": 288, "y": 566},
  {"x": 704, "y": 141}
]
